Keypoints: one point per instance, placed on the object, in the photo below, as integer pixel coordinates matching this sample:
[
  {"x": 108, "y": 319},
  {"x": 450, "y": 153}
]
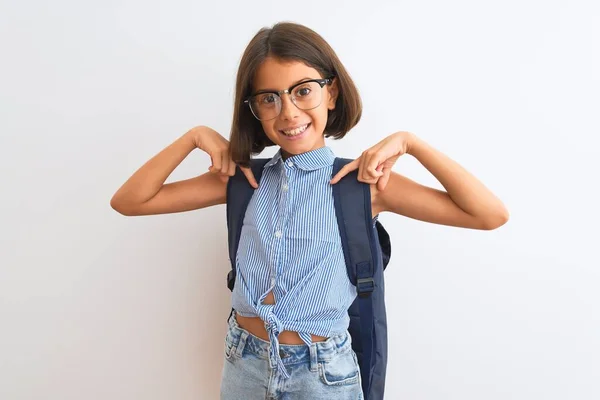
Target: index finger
[
  {"x": 250, "y": 177},
  {"x": 351, "y": 166}
]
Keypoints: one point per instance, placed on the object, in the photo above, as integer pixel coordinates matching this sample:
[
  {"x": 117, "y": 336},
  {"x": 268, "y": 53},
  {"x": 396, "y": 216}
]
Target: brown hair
[{"x": 291, "y": 42}]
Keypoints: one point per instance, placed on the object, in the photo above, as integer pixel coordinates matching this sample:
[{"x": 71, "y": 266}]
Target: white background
[{"x": 97, "y": 306}]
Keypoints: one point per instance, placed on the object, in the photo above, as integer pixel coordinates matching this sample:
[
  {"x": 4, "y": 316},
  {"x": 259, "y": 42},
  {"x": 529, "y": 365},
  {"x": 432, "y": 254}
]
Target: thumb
[
  {"x": 383, "y": 181},
  {"x": 250, "y": 176}
]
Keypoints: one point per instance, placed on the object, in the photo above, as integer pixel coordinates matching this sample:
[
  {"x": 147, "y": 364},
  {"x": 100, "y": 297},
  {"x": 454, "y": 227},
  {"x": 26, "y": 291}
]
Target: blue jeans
[{"x": 325, "y": 370}]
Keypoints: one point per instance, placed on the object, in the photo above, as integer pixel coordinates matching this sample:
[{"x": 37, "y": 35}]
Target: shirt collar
[{"x": 309, "y": 161}]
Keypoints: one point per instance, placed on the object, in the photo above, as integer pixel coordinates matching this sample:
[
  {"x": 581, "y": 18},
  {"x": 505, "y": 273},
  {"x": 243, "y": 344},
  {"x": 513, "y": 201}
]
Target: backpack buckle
[{"x": 365, "y": 286}]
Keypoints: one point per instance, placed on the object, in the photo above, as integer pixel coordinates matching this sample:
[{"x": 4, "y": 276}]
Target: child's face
[{"x": 274, "y": 74}]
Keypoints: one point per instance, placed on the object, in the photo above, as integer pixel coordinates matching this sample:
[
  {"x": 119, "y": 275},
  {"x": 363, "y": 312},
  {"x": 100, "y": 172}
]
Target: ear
[{"x": 333, "y": 91}]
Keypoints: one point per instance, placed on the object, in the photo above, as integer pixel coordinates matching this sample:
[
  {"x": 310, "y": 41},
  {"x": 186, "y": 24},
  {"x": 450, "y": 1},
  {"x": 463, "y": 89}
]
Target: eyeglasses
[{"x": 306, "y": 95}]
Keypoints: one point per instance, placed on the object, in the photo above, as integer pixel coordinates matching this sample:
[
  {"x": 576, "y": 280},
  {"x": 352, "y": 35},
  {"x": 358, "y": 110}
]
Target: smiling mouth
[{"x": 295, "y": 132}]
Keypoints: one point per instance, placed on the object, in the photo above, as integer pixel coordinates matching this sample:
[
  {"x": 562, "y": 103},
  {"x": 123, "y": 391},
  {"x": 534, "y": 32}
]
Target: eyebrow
[{"x": 275, "y": 90}]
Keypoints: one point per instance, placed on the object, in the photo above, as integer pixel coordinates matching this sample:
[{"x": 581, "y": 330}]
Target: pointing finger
[
  {"x": 250, "y": 177},
  {"x": 351, "y": 166}
]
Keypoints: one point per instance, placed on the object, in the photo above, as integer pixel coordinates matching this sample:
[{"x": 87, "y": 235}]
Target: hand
[
  {"x": 217, "y": 147},
  {"x": 375, "y": 164}
]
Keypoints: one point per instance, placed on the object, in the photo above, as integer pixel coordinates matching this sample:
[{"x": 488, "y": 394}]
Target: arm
[
  {"x": 466, "y": 203},
  {"x": 145, "y": 193}
]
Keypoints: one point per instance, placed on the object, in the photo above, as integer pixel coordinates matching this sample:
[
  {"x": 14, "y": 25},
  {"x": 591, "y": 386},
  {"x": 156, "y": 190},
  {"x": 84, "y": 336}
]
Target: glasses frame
[{"x": 322, "y": 82}]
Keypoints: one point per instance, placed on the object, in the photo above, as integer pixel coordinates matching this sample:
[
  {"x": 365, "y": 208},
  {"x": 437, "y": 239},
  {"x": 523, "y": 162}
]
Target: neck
[{"x": 285, "y": 155}]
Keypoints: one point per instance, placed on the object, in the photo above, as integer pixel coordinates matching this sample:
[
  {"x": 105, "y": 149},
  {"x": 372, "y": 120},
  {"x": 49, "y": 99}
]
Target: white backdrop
[{"x": 97, "y": 306}]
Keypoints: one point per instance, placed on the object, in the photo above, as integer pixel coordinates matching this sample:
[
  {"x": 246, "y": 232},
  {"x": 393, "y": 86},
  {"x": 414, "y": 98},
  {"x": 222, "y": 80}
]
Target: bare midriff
[{"x": 256, "y": 326}]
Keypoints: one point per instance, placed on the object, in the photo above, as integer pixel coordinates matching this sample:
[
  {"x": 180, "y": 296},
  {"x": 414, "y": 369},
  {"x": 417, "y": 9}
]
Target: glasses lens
[
  {"x": 265, "y": 105},
  {"x": 307, "y": 95}
]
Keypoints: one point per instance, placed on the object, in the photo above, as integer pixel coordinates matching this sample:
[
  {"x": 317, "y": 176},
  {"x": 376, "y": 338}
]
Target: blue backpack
[{"x": 367, "y": 252}]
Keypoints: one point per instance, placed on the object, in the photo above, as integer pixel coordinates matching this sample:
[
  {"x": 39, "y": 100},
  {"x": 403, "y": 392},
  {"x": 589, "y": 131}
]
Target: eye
[
  {"x": 303, "y": 90},
  {"x": 267, "y": 98}
]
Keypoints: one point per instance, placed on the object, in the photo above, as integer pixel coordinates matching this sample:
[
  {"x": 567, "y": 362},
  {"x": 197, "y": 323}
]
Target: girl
[{"x": 288, "y": 332}]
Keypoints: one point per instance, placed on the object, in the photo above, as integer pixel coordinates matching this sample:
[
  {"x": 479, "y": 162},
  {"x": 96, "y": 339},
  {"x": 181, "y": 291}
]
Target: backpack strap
[
  {"x": 352, "y": 200},
  {"x": 239, "y": 193}
]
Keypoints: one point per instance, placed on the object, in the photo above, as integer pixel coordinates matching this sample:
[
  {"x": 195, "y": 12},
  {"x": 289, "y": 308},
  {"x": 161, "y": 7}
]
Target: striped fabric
[{"x": 290, "y": 243}]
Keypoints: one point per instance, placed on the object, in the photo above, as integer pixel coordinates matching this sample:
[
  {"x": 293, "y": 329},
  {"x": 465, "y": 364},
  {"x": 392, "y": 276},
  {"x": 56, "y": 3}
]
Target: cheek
[
  {"x": 266, "y": 127},
  {"x": 319, "y": 118},
  {"x": 269, "y": 129}
]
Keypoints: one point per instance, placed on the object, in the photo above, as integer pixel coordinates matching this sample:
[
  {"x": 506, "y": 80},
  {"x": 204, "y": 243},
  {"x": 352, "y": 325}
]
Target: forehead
[{"x": 277, "y": 74}]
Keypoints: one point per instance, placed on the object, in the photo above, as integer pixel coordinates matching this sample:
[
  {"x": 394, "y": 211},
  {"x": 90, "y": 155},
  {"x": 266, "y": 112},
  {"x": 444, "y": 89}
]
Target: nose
[{"x": 288, "y": 108}]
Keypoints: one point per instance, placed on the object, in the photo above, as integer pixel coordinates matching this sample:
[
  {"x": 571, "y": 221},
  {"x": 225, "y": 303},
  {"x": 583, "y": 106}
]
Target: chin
[{"x": 299, "y": 148}]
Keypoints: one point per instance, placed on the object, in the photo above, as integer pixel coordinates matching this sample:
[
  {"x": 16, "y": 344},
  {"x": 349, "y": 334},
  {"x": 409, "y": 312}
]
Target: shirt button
[
  {"x": 278, "y": 234},
  {"x": 284, "y": 187},
  {"x": 290, "y": 164}
]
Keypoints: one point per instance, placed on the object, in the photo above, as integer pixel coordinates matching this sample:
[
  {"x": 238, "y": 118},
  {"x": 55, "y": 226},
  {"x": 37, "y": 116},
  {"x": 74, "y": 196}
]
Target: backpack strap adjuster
[{"x": 365, "y": 286}]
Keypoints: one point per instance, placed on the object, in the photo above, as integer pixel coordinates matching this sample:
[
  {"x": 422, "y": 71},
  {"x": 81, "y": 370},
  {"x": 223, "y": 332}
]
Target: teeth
[{"x": 296, "y": 131}]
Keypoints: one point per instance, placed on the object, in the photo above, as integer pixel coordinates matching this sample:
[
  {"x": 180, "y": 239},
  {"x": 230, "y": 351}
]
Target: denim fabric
[{"x": 324, "y": 370}]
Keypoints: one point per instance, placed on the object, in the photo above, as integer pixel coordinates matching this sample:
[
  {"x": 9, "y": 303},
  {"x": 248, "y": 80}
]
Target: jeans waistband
[{"x": 324, "y": 351}]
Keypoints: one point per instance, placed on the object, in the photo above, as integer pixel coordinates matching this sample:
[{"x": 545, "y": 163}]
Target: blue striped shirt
[{"x": 290, "y": 243}]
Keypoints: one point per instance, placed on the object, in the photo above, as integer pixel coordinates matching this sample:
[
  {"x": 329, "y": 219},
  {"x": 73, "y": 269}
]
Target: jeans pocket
[{"x": 340, "y": 370}]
